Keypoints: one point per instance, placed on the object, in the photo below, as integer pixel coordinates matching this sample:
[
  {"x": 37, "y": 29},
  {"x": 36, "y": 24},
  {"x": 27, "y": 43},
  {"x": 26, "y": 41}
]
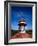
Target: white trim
[
  {"x": 23, "y": 22},
  {"x": 21, "y": 4}
]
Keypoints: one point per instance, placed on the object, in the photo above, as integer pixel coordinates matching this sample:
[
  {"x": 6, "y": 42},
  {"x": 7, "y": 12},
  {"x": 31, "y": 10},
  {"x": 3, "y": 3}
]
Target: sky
[{"x": 17, "y": 13}]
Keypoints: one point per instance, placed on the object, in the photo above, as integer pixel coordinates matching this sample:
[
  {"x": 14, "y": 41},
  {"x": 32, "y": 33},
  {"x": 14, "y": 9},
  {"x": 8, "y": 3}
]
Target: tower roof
[{"x": 22, "y": 22}]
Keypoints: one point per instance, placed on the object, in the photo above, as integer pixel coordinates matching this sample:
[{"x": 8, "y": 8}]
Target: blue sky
[{"x": 21, "y": 12}]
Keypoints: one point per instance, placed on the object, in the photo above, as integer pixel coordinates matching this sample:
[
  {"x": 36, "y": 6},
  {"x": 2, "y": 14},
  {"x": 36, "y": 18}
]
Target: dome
[{"x": 22, "y": 22}]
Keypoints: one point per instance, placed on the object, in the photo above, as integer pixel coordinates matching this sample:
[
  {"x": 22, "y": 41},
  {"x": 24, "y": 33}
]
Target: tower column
[{"x": 22, "y": 25}]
